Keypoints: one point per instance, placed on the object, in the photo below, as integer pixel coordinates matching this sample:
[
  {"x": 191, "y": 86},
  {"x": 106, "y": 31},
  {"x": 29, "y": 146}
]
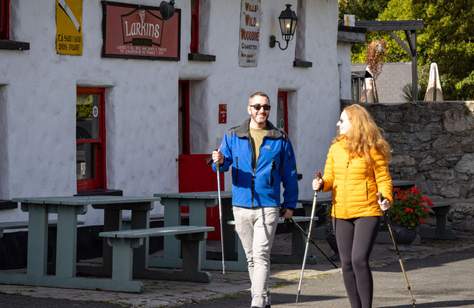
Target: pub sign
[{"x": 138, "y": 31}]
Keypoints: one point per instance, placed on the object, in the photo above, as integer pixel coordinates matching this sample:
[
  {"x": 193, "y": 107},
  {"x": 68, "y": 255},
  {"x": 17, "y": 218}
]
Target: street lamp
[
  {"x": 167, "y": 9},
  {"x": 287, "y": 20}
]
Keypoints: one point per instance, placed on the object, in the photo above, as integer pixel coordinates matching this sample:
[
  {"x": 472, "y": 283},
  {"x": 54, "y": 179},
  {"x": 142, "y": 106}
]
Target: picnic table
[
  {"x": 234, "y": 253},
  {"x": 67, "y": 209},
  {"x": 198, "y": 202}
]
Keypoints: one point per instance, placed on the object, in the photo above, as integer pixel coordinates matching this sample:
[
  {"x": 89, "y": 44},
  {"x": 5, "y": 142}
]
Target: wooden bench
[
  {"x": 440, "y": 209},
  {"x": 9, "y": 225},
  {"x": 298, "y": 241},
  {"x": 123, "y": 242}
]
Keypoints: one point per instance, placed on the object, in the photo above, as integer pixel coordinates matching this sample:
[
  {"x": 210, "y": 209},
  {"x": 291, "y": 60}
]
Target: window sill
[
  {"x": 201, "y": 57},
  {"x": 14, "y": 45},
  {"x": 302, "y": 63},
  {"x": 100, "y": 192},
  {"x": 6, "y": 205}
]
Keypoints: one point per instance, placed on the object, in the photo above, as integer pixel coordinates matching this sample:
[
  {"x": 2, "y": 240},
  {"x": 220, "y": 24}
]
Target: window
[
  {"x": 200, "y": 30},
  {"x": 90, "y": 139},
  {"x": 282, "y": 110},
  {"x": 4, "y": 19}
]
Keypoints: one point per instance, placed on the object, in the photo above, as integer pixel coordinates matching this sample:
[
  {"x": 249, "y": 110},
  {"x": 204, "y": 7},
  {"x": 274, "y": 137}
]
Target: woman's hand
[
  {"x": 383, "y": 203},
  {"x": 317, "y": 183}
]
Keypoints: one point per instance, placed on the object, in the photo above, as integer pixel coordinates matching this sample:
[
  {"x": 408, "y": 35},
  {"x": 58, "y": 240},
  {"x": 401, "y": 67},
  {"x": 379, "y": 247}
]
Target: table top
[
  {"x": 195, "y": 195},
  {"x": 85, "y": 200}
]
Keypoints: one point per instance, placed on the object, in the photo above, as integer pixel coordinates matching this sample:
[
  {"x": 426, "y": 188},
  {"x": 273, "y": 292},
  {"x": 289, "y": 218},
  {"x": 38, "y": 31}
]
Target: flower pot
[{"x": 403, "y": 235}]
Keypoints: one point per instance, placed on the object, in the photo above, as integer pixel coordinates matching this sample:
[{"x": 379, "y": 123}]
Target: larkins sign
[{"x": 132, "y": 31}]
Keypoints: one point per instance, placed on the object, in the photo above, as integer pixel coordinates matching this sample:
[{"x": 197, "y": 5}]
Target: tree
[{"x": 447, "y": 38}]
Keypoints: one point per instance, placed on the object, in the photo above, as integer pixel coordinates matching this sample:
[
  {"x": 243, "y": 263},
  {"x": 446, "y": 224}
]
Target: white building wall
[{"x": 39, "y": 97}]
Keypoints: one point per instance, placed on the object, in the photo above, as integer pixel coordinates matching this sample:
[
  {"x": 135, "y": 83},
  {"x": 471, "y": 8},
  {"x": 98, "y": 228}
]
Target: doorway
[{"x": 194, "y": 172}]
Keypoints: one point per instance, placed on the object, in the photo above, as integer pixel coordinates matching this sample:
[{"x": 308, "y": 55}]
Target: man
[{"x": 261, "y": 158}]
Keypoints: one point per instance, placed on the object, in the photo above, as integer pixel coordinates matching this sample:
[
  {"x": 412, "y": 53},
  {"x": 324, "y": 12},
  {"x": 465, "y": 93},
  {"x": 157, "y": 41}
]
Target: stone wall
[{"x": 433, "y": 144}]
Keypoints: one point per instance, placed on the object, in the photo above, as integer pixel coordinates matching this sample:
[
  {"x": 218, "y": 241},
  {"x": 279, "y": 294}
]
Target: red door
[{"x": 194, "y": 172}]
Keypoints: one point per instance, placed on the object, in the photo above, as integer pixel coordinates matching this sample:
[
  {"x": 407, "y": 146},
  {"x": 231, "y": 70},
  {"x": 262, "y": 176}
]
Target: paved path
[
  {"x": 442, "y": 274},
  {"x": 445, "y": 280}
]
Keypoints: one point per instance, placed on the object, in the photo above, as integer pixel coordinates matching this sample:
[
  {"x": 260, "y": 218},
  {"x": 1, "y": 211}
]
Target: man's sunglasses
[{"x": 258, "y": 106}]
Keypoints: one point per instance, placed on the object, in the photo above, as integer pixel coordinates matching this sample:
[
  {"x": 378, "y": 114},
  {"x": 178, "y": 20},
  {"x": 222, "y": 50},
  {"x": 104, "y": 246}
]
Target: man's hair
[{"x": 260, "y": 93}]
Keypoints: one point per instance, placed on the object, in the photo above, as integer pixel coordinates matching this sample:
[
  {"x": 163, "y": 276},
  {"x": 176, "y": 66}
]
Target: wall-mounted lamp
[
  {"x": 167, "y": 9},
  {"x": 287, "y": 21}
]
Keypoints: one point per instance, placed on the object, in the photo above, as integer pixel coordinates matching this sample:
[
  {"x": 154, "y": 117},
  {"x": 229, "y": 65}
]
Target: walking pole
[
  {"x": 313, "y": 211},
  {"x": 389, "y": 226},
  {"x": 220, "y": 215},
  {"x": 312, "y": 242}
]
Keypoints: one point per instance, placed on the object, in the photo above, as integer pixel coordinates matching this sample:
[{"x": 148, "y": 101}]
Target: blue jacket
[{"x": 259, "y": 186}]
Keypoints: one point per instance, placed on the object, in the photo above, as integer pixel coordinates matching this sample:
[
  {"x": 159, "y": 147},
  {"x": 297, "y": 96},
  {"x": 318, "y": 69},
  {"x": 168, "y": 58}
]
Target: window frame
[
  {"x": 5, "y": 19},
  {"x": 100, "y": 179},
  {"x": 194, "y": 42},
  {"x": 283, "y": 96}
]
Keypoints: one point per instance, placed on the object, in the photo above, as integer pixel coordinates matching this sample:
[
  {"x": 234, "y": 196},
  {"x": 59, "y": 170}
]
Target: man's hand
[
  {"x": 217, "y": 157},
  {"x": 383, "y": 203},
  {"x": 287, "y": 213}
]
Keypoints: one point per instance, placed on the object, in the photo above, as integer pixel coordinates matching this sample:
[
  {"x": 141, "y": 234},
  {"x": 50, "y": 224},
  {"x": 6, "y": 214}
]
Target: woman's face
[{"x": 343, "y": 124}]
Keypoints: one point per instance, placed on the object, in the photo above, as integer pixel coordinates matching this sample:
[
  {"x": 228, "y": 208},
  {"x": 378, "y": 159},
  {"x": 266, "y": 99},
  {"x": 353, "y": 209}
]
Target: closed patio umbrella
[{"x": 433, "y": 90}]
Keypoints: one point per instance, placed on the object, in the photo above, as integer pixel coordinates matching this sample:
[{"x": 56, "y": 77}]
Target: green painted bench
[
  {"x": 298, "y": 242},
  {"x": 9, "y": 225},
  {"x": 440, "y": 209},
  {"x": 123, "y": 242}
]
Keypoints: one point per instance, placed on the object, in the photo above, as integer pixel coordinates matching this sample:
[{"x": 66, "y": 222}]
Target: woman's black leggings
[{"x": 355, "y": 239}]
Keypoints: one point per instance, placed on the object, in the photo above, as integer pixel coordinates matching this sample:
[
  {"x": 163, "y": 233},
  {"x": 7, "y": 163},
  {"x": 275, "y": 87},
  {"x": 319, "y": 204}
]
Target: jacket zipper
[
  {"x": 252, "y": 188},
  {"x": 345, "y": 184}
]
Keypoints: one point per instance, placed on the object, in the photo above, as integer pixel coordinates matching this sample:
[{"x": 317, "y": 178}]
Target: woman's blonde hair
[{"x": 364, "y": 135}]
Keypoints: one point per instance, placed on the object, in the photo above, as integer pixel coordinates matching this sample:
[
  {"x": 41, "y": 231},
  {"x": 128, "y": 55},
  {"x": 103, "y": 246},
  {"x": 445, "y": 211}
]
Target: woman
[{"x": 357, "y": 173}]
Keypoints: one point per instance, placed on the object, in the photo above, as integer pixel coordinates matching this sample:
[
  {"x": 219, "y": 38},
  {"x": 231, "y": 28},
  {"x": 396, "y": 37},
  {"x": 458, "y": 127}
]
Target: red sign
[
  {"x": 132, "y": 31},
  {"x": 222, "y": 113}
]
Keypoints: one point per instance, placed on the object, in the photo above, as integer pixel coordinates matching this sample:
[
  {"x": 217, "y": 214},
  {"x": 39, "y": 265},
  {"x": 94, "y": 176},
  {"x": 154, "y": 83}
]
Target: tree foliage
[{"x": 447, "y": 38}]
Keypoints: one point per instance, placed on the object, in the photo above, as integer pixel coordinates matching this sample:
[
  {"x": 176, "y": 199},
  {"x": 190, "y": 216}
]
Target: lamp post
[
  {"x": 167, "y": 9},
  {"x": 287, "y": 20}
]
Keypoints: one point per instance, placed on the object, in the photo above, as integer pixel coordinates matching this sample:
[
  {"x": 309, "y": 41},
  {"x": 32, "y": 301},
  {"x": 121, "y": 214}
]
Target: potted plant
[{"x": 410, "y": 208}]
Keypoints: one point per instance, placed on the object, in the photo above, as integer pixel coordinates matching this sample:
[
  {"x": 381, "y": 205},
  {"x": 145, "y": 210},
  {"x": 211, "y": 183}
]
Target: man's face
[{"x": 256, "y": 109}]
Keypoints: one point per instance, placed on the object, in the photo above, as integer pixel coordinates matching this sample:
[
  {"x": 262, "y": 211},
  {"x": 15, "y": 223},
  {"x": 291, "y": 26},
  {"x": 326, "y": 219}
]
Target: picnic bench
[
  {"x": 123, "y": 243},
  {"x": 298, "y": 242},
  {"x": 440, "y": 209},
  {"x": 23, "y": 224}
]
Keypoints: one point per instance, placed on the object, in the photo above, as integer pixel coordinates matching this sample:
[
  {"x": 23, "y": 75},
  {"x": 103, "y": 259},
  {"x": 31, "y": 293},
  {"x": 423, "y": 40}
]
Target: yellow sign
[{"x": 69, "y": 27}]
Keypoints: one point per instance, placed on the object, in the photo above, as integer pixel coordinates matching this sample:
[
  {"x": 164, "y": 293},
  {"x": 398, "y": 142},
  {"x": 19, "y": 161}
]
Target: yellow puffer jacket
[{"x": 354, "y": 183}]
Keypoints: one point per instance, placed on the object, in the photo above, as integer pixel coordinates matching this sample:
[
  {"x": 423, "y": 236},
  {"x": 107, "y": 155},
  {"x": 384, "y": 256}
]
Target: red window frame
[
  {"x": 4, "y": 19},
  {"x": 100, "y": 180},
  {"x": 283, "y": 97},
  {"x": 194, "y": 45}
]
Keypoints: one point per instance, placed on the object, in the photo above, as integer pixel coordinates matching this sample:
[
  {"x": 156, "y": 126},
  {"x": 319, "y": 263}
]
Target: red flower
[
  {"x": 410, "y": 207},
  {"x": 414, "y": 190}
]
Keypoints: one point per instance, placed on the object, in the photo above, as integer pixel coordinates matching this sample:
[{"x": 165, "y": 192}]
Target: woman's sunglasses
[{"x": 258, "y": 106}]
